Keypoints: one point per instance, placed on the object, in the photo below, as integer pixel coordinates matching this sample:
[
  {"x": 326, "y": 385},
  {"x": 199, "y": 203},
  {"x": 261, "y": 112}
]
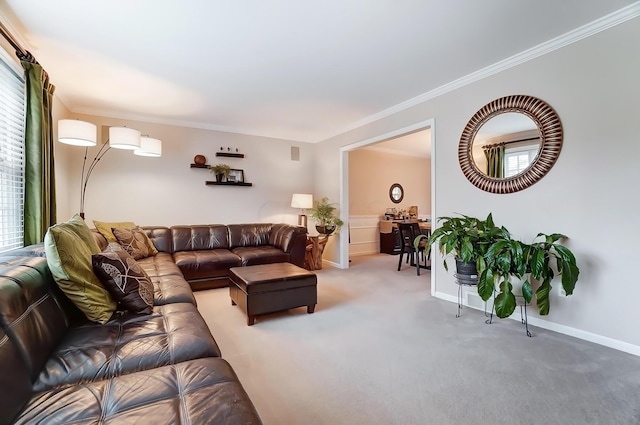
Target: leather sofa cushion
[
  {"x": 160, "y": 237},
  {"x": 203, "y": 391},
  {"x": 35, "y": 250},
  {"x": 169, "y": 285},
  {"x": 205, "y": 264},
  {"x": 252, "y": 255},
  {"x": 196, "y": 238},
  {"x": 15, "y": 383},
  {"x": 249, "y": 234},
  {"x": 173, "y": 333},
  {"x": 29, "y": 313}
]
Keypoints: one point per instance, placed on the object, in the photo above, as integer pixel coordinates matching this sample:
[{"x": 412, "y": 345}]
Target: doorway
[{"x": 344, "y": 178}]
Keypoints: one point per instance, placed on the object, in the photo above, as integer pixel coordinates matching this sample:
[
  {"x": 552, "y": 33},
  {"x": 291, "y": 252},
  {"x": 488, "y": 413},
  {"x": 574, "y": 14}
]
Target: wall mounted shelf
[
  {"x": 199, "y": 165},
  {"x": 230, "y": 154},
  {"x": 214, "y": 183}
]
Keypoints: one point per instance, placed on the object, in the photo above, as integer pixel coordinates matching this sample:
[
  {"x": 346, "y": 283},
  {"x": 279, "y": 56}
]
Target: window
[
  {"x": 517, "y": 160},
  {"x": 12, "y": 118}
]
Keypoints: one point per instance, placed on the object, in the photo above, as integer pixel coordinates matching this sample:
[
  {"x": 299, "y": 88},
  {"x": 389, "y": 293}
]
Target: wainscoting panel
[{"x": 364, "y": 234}]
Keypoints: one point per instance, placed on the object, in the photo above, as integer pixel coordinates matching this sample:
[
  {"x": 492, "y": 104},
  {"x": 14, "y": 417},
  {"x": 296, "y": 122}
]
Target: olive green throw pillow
[
  {"x": 69, "y": 259},
  {"x": 105, "y": 227}
]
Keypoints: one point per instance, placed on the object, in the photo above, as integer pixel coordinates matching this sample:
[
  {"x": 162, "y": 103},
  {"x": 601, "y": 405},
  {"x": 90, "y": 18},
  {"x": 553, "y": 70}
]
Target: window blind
[{"x": 12, "y": 119}]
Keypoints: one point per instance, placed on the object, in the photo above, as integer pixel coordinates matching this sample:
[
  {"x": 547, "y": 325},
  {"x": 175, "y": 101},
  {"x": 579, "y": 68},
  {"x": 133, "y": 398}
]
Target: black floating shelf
[
  {"x": 199, "y": 166},
  {"x": 230, "y": 155},
  {"x": 212, "y": 183}
]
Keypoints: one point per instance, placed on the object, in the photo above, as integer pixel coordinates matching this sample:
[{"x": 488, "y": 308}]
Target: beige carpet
[{"x": 380, "y": 350}]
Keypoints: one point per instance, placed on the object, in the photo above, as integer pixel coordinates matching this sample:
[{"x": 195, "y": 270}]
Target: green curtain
[
  {"x": 495, "y": 160},
  {"x": 39, "y": 190}
]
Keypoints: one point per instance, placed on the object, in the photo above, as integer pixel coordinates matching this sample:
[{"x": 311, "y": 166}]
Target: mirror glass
[
  {"x": 396, "y": 193},
  {"x": 519, "y": 136},
  {"x": 510, "y": 144}
]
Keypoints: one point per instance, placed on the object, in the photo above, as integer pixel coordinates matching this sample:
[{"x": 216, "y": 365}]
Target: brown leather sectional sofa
[
  {"x": 205, "y": 253},
  {"x": 56, "y": 367}
]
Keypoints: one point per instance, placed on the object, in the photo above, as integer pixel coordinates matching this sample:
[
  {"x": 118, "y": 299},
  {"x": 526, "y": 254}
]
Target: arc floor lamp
[{"x": 82, "y": 133}]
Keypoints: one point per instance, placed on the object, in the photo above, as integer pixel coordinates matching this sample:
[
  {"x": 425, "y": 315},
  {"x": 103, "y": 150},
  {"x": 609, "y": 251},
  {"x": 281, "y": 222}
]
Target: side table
[{"x": 315, "y": 248}]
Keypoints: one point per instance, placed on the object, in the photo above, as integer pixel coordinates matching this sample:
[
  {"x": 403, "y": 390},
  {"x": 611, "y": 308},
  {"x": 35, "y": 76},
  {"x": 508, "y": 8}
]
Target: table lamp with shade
[
  {"x": 302, "y": 201},
  {"x": 82, "y": 133}
]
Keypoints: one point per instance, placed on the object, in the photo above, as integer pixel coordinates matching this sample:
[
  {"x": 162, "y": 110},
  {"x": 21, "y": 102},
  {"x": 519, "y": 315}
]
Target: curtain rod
[
  {"x": 21, "y": 53},
  {"x": 508, "y": 143}
]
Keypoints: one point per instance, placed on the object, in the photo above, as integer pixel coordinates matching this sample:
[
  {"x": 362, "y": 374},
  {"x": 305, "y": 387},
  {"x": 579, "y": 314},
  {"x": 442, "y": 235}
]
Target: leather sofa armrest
[{"x": 290, "y": 239}]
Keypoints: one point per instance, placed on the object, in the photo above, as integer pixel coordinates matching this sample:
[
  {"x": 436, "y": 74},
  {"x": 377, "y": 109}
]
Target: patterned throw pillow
[
  {"x": 105, "y": 227},
  {"x": 124, "y": 279},
  {"x": 68, "y": 247},
  {"x": 136, "y": 242}
]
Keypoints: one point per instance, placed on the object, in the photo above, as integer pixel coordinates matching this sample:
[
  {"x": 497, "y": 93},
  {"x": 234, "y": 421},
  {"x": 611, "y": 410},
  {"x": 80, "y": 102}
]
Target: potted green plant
[
  {"x": 221, "y": 171},
  {"x": 538, "y": 261},
  {"x": 324, "y": 213},
  {"x": 466, "y": 238}
]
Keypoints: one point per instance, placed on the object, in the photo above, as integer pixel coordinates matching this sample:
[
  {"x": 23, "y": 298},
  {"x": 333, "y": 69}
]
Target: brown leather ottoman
[{"x": 267, "y": 288}]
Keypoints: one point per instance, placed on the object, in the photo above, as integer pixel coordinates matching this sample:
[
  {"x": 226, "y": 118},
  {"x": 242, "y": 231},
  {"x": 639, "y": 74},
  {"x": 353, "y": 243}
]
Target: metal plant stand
[
  {"x": 520, "y": 301},
  {"x": 464, "y": 280}
]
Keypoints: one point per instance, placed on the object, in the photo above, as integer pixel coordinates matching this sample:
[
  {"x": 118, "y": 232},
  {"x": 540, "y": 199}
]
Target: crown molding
[
  {"x": 178, "y": 123},
  {"x": 615, "y": 18}
]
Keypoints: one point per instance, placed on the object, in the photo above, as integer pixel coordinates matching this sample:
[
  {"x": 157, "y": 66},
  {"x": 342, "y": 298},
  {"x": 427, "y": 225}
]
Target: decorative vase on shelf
[
  {"x": 199, "y": 160},
  {"x": 219, "y": 177}
]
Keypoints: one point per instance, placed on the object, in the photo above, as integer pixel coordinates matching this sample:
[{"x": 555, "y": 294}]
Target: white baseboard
[
  {"x": 359, "y": 254},
  {"x": 565, "y": 330}
]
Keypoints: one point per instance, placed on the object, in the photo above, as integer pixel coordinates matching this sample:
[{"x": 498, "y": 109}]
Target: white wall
[
  {"x": 589, "y": 194},
  {"x": 166, "y": 191},
  {"x": 371, "y": 174}
]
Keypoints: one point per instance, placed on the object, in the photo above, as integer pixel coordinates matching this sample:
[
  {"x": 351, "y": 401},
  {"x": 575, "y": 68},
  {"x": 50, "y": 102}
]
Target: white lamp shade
[
  {"x": 77, "y": 133},
  {"x": 302, "y": 200},
  {"x": 149, "y": 147},
  {"x": 124, "y": 138}
]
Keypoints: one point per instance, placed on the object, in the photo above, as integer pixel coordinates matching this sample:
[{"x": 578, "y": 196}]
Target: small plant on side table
[{"x": 324, "y": 213}]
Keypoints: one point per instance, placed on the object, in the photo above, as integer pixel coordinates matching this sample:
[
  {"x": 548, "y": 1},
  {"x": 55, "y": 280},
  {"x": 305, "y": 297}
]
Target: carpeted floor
[{"x": 380, "y": 350}]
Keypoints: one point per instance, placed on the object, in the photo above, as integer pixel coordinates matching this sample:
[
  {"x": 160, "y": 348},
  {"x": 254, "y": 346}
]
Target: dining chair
[{"x": 408, "y": 234}]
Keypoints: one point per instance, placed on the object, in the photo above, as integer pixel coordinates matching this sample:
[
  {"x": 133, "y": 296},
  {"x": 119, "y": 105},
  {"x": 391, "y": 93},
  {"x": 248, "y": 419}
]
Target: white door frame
[{"x": 344, "y": 182}]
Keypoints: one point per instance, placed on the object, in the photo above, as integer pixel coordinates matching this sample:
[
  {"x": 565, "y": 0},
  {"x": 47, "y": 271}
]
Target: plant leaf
[
  {"x": 569, "y": 277},
  {"x": 537, "y": 262},
  {"x": 505, "y": 304},
  {"x": 486, "y": 284},
  {"x": 527, "y": 291},
  {"x": 542, "y": 297}
]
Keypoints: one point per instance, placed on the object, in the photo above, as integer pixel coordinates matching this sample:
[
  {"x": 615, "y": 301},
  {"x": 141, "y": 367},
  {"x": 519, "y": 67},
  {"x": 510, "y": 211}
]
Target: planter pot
[
  {"x": 325, "y": 230},
  {"x": 466, "y": 269},
  {"x": 219, "y": 177}
]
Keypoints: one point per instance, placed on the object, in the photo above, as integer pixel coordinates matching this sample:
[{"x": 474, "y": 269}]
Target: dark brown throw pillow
[
  {"x": 135, "y": 241},
  {"x": 124, "y": 279}
]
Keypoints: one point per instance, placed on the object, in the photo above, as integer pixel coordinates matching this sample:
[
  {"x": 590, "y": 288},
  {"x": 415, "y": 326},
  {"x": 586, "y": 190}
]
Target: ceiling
[{"x": 288, "y": 69}]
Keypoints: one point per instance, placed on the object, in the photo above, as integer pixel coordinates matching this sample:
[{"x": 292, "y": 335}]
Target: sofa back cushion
[
  {"x": 256, "y": 234},
  {"x": 199, "y": 237},
  {"x": 15, "y": 384},
  {"x": 30, "y": 311},
  {"x": 160, "y": 237}
]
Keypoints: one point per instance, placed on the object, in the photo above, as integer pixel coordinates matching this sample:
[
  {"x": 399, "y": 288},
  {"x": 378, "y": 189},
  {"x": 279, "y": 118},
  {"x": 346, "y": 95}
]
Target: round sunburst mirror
[{"x": 510, "y": 144}]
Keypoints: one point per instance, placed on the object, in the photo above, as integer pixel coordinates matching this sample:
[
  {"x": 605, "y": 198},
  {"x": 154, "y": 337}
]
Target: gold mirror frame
[{"x": 549, "y": 126}]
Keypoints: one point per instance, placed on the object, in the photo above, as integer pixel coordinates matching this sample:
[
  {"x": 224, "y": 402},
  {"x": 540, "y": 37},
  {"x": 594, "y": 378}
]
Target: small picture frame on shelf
[{"x": 236, "y": 176}]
